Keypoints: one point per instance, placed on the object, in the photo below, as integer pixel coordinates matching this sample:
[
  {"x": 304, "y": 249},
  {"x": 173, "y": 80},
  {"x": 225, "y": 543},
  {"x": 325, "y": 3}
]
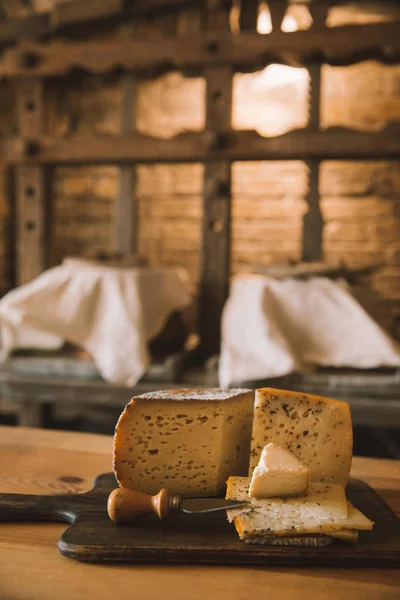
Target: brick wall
[{"x": 360, "y": 200}]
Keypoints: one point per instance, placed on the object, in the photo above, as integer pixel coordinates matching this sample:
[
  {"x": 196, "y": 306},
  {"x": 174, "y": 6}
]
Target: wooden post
[
  {"x": 126, "y": 215},
  {"x": 30, "y": 196},
  {"x": 248, "y": 15},
  {"x": 312, "y": 249},
  {"x": 215, "y": 265}
]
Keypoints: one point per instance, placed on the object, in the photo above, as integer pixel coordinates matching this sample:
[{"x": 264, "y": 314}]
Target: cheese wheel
[
  {"x": 188, "y": 441},
  {"x": 317, "y": 430}
]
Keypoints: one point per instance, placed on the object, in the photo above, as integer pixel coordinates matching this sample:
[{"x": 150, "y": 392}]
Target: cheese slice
[
  {"x": 278, "y": 473},
  {"x": 305, "y": 541},
  {"x": 261, "y": 523},
  {"x": 347, "y": 535},
  {"x": 317, "y": 430},
  {"x": 188, "y": 441},
  {"x": 323, "y": 503}
]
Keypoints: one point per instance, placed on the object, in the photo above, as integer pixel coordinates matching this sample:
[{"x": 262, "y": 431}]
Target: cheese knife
[{"x": 125, "y": 505}]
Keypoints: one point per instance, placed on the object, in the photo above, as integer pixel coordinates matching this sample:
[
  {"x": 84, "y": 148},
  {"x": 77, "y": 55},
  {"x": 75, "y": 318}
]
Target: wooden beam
[
  {"x": 30, "y": 193},
  {"x": 47, "y": 23},
  {"x": 312, "y": 249},
  {"x": 216, "y": 239},
  {"x": 248, "y": 15},
  {"x": 334, "y": 143},
  {"x": 216, "y": 245},
  {"x": 125, "y": 230},
  {"x": 33, "y": 27},
  {"x": 73, "y": 11},
  {"x": 312, "y": 220},
  {"x": 334, "y": 45}
]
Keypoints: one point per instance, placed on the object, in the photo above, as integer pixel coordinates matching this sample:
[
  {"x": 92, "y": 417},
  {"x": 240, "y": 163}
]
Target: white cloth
[
  {"x": 110, "y": 312},
  {"x": 273, "y": 327}
]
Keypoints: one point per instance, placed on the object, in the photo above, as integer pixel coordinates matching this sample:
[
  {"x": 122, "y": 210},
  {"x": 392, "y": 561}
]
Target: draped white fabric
[
  {"x": 110, "y": 312},
  {"x": 273, "y": 327}
]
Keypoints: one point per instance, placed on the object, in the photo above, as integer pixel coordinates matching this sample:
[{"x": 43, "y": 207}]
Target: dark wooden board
[{"x": 93, "y": 537}]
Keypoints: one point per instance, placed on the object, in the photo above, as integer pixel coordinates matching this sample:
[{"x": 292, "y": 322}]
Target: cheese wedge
[
  {"x": 188, "y": 441},
  {"x": 278, "y": 473},
  {"x": 323, "y": 503},
  {"x": 317, "y": 430}
]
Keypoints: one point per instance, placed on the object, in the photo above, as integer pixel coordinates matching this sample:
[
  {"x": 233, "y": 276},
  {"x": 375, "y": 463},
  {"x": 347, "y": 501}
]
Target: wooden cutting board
[{"x": 210, "y": 539}]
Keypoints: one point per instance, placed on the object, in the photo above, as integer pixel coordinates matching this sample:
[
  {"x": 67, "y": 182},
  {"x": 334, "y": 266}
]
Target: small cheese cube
[
  {"x": 279, "y": 473},
  {"x": 188, "y": 441},
  {"x": 317, "y": 430}
]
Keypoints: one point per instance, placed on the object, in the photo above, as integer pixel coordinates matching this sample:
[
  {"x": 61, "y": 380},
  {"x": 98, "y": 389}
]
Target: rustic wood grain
[
  {"x": 248, "y": 15},
  {"x": 216, "y": 235},
  {"x": 125, "y": 226},
  {"x": 31, "y": 567},
  {"x": 301, "y": 144},
  {"x": 73, "y": 11},
  {"x": 30, "y": 185},
  {"x": 334, "y": 45},
  {"x": 181, "y": 538},
  {"x": 312, "y": 239}
]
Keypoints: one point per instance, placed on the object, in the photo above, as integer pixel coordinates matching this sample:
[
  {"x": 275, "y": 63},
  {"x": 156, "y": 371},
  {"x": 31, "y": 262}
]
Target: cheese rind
[
  {"x": 278, "y": 473},
  {"x": 317, "y": 430},
  {"x": 188, "y": 441}
]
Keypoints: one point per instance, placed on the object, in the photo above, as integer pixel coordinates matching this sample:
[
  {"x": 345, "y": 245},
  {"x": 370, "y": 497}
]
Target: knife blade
[{"x": 207, "y": 505}]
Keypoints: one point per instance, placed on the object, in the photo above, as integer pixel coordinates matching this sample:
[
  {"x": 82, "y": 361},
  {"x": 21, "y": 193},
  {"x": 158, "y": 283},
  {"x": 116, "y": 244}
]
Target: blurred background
[{"x": 118, "y": 126}]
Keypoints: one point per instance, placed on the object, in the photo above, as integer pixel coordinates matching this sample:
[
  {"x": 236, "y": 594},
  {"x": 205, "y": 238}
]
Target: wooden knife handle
[{"x": 125, "y": 505}]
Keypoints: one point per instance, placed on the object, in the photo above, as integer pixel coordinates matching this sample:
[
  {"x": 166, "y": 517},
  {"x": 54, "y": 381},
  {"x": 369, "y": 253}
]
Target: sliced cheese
[
  {"x": 188, "y": 441},
  {"x": 278, "y": 473},
  {"x": 317, "y": 430},
  {"x": 276, "y": 522},
  {"x": 305, "y": 541},
  {"x": 323, "y": 503},
  {"x": 347, "y": 535}
]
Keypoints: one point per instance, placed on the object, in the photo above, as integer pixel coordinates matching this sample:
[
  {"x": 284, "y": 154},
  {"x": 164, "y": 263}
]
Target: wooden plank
[
  {"x": 216, "y": 240},
  {"x": 93, "y": 537},
  {"x": 125, "y": 228},
  {"x": 30, "y": 190},
  {"x": 248, "y": 15},
  {"x": 73, "y": 11},
  {"x": 277, "y": 9},
  {"x": 334, "y": 45},
  {"x": 302, "y": 144},
  {"x": 45, "y": 23},
  {"x": 32, "y": 27},
  {"x": 312, "y": 220},
  {"x": 312, "y": 240}
]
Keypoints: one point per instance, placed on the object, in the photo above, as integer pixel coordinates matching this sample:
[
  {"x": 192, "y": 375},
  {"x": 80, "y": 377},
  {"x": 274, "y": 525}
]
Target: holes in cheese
[
  {"x": 324, "y": 510},
  {"x": 278, "y": 473},
  {"x": 317, "y": 430},
  {"x": 324, "y": 502},
  {"x": 258, "y": 523},
  {"x": 188, "y": 441}
]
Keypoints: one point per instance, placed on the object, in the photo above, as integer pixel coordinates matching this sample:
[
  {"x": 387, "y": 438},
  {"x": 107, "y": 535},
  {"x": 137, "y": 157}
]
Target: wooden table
[{"x": 43, "y": 461}]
